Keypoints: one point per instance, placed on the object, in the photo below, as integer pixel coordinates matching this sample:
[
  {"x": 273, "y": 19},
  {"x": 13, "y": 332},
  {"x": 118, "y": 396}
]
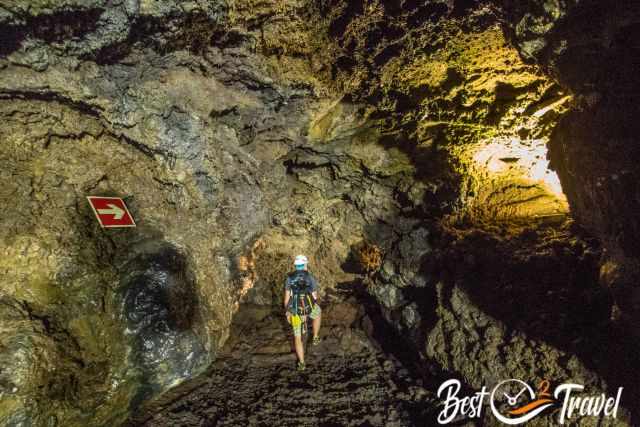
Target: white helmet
[{"x": 300, "y": 260}]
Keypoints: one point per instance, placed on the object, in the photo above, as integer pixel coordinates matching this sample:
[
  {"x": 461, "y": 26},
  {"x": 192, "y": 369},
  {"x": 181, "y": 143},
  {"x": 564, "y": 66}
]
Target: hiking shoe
[
  {"x": 300, "y": 366},
  {"x": 315, "y": 341}
]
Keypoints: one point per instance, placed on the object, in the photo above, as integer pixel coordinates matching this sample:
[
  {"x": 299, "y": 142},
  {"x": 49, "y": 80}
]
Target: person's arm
[
  {"x": 287, "y": 295},
  {"x": 314, "y": 287}
]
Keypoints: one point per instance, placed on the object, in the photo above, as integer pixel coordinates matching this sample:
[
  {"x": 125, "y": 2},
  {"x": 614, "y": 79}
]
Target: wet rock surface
[{"x": 160, "y": 307}]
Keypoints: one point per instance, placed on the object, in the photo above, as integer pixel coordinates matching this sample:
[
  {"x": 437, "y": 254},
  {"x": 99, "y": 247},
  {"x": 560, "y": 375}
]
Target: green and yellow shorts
[{"x": 297, "y": 320}]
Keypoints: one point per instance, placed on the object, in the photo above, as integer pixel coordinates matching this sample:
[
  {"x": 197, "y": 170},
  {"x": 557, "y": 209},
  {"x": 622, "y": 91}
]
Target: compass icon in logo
[{"x": 514, "y": 401}]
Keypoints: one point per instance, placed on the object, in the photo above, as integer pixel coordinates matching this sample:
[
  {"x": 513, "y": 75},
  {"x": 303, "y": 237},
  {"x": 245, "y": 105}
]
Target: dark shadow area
[
  {"x": 339, "y": 25},
  {"x": 51, "y": 28},
  {"x": 545, "y": 284},
  {"x": 197, "y": 32},
  {"x": 395, "y": 344},
  {"x": 462, "y": 7}
]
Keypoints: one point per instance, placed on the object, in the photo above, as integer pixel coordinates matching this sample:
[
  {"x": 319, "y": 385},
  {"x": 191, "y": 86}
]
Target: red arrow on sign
[{"x": 111, "y": 212}]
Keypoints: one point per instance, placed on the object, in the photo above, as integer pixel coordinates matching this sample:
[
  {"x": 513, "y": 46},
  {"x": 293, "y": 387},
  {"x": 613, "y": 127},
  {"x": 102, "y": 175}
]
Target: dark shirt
[{"x": 312, "y": 280}]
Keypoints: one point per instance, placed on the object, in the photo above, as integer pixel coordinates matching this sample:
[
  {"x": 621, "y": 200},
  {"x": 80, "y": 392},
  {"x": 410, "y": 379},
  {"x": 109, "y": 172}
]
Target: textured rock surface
[
  {"x": 594, "y": 146},
  {"x": 242, "y": 132},
  {"x": 348, "y": 380}
]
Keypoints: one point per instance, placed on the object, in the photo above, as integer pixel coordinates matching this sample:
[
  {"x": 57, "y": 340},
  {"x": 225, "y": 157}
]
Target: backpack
[{"x": 301, "y": 301}]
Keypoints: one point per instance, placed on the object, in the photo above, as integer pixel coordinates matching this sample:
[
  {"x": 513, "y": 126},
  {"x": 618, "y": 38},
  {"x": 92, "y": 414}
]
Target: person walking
[{"x": 300, "y": 303}]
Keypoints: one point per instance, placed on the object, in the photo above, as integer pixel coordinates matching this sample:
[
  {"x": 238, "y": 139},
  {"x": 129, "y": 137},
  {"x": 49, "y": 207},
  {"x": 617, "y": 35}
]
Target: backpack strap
[{"x": 301, "y": 286}]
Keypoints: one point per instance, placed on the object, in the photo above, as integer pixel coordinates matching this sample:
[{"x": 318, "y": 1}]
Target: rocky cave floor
[{"x": 349, "y": 380}]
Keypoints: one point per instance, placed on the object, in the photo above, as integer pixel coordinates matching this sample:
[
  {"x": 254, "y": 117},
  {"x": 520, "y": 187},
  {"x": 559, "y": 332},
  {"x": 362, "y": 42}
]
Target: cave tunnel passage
[
  {"x": 510, "y": 181},
  {"x": 529, "y": 157}
]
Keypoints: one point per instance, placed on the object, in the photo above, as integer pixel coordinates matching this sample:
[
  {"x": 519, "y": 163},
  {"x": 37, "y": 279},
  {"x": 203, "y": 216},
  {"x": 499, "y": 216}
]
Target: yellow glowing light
[
  {"x": 527, "y": 159},
  {"x": 541, "y": 112}
]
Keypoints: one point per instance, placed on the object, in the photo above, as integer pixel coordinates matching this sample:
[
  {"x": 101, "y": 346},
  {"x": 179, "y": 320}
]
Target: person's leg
[
  {"x": 316, "y": 317},
  {"x": 296, "y": 325},
  {"x": 297, "y": 342}
]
